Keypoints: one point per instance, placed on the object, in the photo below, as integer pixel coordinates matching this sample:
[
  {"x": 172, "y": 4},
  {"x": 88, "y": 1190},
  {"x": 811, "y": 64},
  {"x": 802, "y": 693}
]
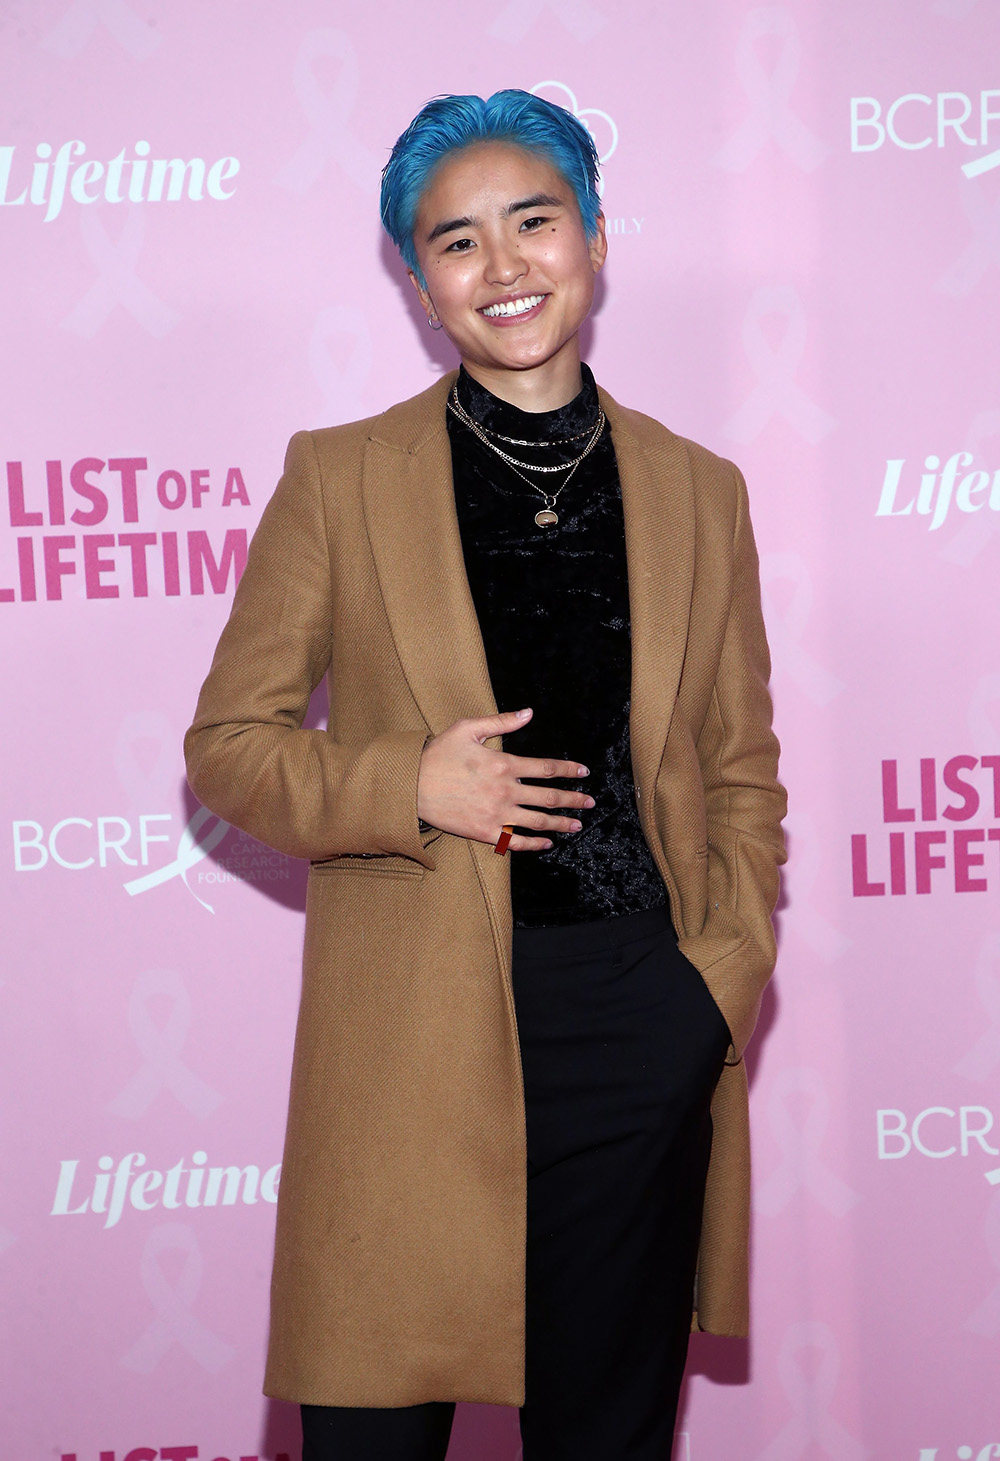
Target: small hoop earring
[{"x": 431, "y": 321}]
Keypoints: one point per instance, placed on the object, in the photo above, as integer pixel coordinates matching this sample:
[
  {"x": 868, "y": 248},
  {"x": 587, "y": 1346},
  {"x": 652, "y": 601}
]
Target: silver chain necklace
[
  {"x": 554, "y": 441},
  {"x": 547, "y": 517}
]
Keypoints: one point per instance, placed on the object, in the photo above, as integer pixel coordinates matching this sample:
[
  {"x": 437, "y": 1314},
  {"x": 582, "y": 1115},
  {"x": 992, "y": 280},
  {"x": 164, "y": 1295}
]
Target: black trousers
[{"x": 622, "y": 1046}]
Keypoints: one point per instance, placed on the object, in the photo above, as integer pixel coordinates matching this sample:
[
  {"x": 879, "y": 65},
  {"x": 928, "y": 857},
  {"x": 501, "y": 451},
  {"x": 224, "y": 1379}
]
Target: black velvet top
[{"x": 553, "y": 610}]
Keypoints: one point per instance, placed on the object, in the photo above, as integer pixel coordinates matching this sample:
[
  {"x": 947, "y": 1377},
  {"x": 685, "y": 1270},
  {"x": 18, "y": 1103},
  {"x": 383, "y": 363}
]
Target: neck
[{"x": 539, "y": 388}]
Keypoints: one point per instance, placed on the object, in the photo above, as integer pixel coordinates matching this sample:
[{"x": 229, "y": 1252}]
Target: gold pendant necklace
[{"x": 546, "y": 517}]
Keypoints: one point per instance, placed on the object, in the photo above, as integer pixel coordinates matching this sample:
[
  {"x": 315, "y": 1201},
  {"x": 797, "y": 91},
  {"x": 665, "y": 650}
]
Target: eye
[
  {"x": 460, "y": 246},
  {"x": 531, "y": 224}
]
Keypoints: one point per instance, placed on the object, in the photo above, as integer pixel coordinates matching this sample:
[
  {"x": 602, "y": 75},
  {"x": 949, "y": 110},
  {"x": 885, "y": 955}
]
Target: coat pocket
[
  {"x": 708, "y": 1000},
  {"x": 368, "y": 865}
]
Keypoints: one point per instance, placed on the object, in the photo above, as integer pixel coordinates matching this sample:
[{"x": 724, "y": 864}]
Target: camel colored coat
[{"x": 399, "y": 1262}]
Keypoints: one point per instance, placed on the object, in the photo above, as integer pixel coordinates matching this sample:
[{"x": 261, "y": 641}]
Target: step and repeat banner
[{"x": 803, "y": 204}]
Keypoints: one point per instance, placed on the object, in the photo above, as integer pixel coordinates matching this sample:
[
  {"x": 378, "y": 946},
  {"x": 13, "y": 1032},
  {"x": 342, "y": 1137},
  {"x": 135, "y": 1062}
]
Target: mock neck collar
[{"x": 497, "y": 415}]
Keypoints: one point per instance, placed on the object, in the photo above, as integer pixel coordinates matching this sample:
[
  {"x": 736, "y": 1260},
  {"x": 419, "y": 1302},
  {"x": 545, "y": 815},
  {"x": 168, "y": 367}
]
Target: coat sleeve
[
  {"x": 745, "y": 803},
  {"x": 249, "y": 759}
]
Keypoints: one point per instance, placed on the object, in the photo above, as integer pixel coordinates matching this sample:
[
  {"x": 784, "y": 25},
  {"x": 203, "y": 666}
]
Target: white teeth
[{"x": 513, "y": 307}]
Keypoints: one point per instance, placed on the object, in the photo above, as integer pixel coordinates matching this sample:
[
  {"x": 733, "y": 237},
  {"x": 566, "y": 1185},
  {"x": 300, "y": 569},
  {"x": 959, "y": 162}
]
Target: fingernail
[
  {"x": 582, "y": 771},
  {"x": 522, "y": 713},
  {"x": 546, "y": 846},
  {"x": 576, "y": 826},
  {"x": 590, "y": 802}
]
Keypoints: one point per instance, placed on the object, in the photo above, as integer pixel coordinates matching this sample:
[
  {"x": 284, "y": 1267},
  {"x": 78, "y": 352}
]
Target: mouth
[{"x": 512, "y": 311}]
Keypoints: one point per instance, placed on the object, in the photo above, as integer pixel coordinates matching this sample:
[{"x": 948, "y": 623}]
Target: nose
[{"x": 503, "y": 264}]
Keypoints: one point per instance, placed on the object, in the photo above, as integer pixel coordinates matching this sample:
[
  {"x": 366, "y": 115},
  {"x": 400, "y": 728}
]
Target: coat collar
[{"x": 413, "y": 528}]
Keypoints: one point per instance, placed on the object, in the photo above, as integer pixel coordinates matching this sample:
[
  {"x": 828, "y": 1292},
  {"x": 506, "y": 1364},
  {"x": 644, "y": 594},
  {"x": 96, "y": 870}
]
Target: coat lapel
[
  {"x": 413, "y": 529},
  {"x": 658, "y": 501},
  {"x": 409, "y": 502}
]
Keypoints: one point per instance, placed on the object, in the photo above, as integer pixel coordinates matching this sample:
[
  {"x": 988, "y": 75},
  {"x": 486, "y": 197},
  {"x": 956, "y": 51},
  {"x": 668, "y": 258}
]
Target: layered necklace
[{"x": 546, "y": 517}]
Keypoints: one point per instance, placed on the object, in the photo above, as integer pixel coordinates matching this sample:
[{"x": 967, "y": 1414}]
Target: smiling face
[{"x": 509, "y": 269}]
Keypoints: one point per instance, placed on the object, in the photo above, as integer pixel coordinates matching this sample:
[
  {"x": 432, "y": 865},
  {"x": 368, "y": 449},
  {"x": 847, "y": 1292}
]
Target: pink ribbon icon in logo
[
  {"x": 160, "y": 1047},
  {"x": 799, "y": 881},
  {"x": 118, "y": 282},
  {"x": 986, "y": 1318},
  {"x": 770, "y": 95},
  {"x": 518, "y": 16},
  {"x": 810, "y": 1390},
  {"x": 777, "y": 392},
  {"x": 174, "y": 1322},
  {"x": 328, "y": 112},
  {"x": 340, "y": 353},
  {"x": 74, "y": 30},
  {"x": 984, "y": 1057},
  {"x": 786, "y": 629},
  {"x": 189, "y": 852},
  {"x": 983, "y": 249},
  {"x": 800, "y": 1138}
]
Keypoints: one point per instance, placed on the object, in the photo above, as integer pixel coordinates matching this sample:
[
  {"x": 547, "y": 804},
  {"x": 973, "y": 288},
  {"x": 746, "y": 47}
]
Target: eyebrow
[{"x": 453, "y": 225}]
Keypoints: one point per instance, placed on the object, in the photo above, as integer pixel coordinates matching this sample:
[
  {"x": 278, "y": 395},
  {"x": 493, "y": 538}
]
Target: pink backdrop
[{"x": 803, "y": 206}]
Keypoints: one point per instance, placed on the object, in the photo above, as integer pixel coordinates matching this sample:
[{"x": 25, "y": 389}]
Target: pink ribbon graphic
[
  {"x": 769, "y": 96},
  {"x": 160, "y": 1047},
  {"x": 810, "y": 1396},
  {"x": 802, "y": 876},
  {"x": 341, "y": 372},
  {"x": 117, "y": 282},
  {"x": 174, "y": 1322},
  {"x": 146, "y": 788},
  {"x": 785, "y": 630},
  {"x": 517, "y": 17},
  {"x": 985, "y": 1319},
  {"x": 71, "y": 34},
  {"x": 800, "y": 1139},
  {"x": 983, "y": 250},
  {"x": 329, "y": 113},
  {"x": 776, "y": 392},
  {"x": 984, "y": 1057}
]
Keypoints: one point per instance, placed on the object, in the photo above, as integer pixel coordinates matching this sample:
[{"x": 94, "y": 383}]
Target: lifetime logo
[
  {"x": 915, "y": 121},
  {"x": 145, "y": 1190},
  {"x": 897, "y": 1137},
  {"x": 937, "y": 488},
  {"x": 137, "y": 179}
]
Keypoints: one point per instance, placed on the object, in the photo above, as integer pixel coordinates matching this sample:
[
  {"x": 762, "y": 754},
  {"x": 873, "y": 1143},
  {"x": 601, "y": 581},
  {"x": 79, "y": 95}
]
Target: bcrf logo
[
  {"x": 937, "y": 1132},
  {"x": 915, "y": 120}
]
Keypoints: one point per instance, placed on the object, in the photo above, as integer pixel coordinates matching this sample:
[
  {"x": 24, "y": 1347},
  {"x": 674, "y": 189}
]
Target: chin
[{"x": 531, "y": 354}]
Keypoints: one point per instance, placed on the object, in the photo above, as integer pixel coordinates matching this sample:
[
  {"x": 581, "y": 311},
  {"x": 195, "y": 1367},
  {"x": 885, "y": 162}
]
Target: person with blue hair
[{"x": 544, "y": 830}]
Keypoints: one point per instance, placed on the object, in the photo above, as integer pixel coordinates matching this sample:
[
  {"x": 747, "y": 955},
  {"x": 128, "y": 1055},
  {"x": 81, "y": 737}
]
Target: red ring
[{"x": 503, "y": 841}]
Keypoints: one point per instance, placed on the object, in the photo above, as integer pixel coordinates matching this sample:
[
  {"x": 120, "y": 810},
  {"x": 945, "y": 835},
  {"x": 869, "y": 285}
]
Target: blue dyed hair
[{"x": 449, "y": 123}]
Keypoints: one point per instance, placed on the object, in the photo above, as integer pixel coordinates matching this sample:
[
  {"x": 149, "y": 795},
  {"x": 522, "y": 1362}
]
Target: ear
[
  {"x": 424, "y": 297},
  {"x": 598, "y": 245}
]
